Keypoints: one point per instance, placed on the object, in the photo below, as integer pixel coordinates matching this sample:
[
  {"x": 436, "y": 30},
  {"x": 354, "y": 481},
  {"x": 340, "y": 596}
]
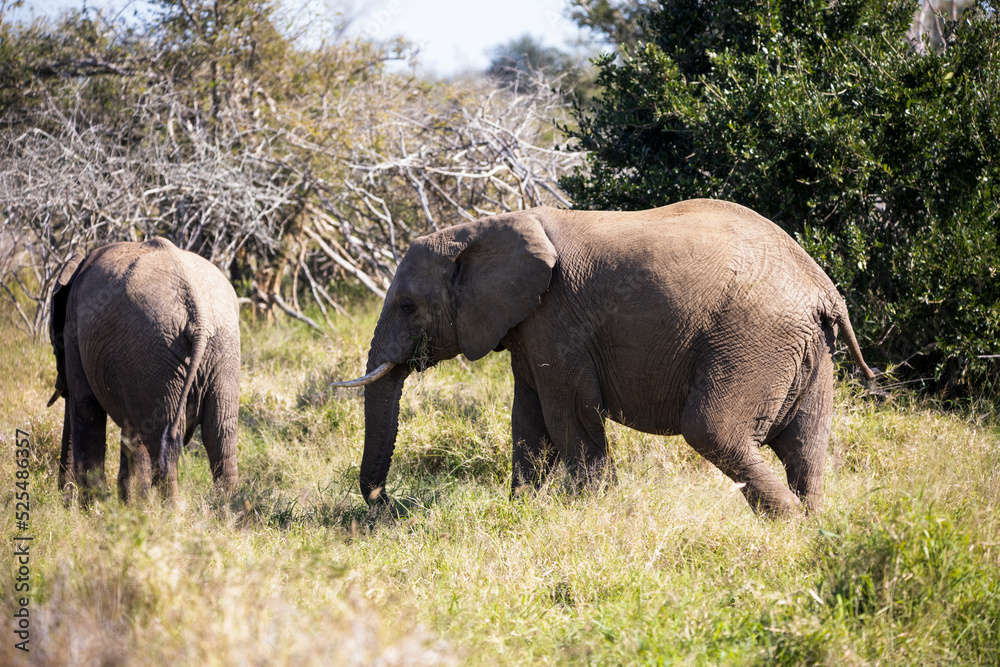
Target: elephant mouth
[{"x": 421, "y": 359}]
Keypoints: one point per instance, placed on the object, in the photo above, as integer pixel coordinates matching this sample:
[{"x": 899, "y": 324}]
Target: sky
[
  {"x": 453, "y": 35},
  {"x": 459, "y": 35}
]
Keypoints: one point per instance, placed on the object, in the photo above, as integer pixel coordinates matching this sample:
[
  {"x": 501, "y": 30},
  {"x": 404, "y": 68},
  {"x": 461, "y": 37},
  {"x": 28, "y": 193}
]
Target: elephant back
[{"x": 137, "y": 309}]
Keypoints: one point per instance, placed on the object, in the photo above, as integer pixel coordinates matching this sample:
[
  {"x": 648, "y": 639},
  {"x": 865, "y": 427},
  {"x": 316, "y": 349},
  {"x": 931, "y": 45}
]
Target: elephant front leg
[
  {"x": 66, "y": 476},
  {"x": 534, "y": 453},
  {"x": 574, "y": 418}
]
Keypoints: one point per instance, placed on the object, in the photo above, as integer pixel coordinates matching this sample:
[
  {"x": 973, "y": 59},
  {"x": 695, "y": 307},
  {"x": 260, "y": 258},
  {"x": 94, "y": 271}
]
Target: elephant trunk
[{"x": 381, "y": 423}]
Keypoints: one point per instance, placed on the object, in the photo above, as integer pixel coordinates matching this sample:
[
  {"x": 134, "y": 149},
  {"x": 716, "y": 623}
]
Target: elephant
[
  {"x": 701, "y": 318},
  {"x": 149, "y": 335}
]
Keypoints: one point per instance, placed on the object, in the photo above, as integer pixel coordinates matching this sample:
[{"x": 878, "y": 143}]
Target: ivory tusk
[
  {"x": 55, "y": 396},
  {"x": 366, "y": 379}
]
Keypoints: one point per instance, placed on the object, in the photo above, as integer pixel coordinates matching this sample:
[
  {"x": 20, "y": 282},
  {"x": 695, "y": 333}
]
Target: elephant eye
[{"x": 408, "y": 307}]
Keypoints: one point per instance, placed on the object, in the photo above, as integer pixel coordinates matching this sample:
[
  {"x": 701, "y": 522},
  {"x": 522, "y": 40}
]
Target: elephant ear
[
  {"x": 57, "y": 321},
  {"x": 498, "y": 279}
]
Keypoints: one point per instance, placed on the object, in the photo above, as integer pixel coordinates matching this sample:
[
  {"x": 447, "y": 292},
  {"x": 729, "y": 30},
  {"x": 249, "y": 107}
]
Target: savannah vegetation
[
  {"x": 670, "y": 564},
  {"x": 304, "y": 168}
]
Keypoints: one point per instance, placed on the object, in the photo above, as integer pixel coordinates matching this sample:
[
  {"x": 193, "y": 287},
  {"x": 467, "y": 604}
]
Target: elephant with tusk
[
  {"x": 149, "y": 335},
  {"x": 701, "y": 318}
]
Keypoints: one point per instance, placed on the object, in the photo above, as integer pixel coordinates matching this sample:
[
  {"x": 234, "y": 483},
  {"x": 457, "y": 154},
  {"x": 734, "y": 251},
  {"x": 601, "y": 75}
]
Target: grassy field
[{"x": 667, "y": 566}]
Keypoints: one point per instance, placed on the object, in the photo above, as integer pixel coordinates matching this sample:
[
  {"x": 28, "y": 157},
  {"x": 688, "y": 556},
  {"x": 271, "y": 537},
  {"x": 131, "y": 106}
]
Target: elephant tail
[
  {"x": 172, "y": 440},
  {"x": 844, "y": 322}
]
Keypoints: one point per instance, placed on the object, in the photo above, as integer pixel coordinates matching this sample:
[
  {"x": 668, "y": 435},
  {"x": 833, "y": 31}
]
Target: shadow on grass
[{"x": 337, "y": 506}]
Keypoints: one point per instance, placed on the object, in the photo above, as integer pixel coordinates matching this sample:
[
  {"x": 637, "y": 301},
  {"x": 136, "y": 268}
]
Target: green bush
[{"x": 881, "y": 161}]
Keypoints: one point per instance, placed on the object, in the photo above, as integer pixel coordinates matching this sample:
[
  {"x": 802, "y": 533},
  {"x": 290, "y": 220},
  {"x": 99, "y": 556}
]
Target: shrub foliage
[{"x": 881, "y": 156}]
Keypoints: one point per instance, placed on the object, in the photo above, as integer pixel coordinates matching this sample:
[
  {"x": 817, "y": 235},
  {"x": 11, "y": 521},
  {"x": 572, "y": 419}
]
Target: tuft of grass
[{"x": 666, "y": 565}]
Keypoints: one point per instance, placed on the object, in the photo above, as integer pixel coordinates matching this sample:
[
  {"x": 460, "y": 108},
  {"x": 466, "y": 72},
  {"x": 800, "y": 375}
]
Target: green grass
[{"x": 669, "y": 565}]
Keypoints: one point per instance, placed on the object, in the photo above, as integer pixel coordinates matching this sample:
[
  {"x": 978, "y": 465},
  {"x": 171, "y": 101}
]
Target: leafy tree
[
  {"x": 619, "y": 22},
  {"x": 882, "y": 161},
  {"x": 522, "y": 61},
  {"x": 36, "y": 58}
]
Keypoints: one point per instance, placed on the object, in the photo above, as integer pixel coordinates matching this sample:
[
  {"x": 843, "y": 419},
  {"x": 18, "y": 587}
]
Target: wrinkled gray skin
[
  {"x": 149, "y": 335},
  {"x": 701, "y": 318}
]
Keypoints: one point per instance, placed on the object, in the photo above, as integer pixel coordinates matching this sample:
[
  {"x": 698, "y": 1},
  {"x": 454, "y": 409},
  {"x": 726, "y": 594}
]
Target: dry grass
[{"x": 668, "y": 565}]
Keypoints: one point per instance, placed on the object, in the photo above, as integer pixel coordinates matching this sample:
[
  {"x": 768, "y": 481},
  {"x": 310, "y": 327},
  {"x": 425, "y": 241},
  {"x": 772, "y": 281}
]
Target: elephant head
[
  {"x": 459, "y": 290},
  {"x": 57, "y": 321}
]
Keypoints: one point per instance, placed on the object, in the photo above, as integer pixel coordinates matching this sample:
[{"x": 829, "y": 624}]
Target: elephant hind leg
[
  {"x": 726, "y": 438},
  {"x": 163, "y": 452},
  {"x": 89, "y": 423},
  {"x": 802, "y": 444},
  {"x": 164, "y": 474},
  {"x": 135, "y": 470},
  {"x": 219, "y": 422}
]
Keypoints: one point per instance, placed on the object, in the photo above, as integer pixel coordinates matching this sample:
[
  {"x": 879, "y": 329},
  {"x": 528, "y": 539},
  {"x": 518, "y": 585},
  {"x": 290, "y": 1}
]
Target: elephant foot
[
  {"x": 92, "y": 493},
  {"x": 70, "y": 494},
  {"x": 227, "y": 486},
  {"x": 773, "y": 503},
  {"x": 596, "y": 477},
  {"x": 67, "y": 486},
  {"x": 91, "y": 480}
]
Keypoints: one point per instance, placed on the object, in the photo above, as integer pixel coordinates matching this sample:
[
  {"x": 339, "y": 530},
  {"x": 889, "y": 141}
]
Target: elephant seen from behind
[
  {"x": 149, "y": 335},
  {"x": 701, "y": 318}
]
